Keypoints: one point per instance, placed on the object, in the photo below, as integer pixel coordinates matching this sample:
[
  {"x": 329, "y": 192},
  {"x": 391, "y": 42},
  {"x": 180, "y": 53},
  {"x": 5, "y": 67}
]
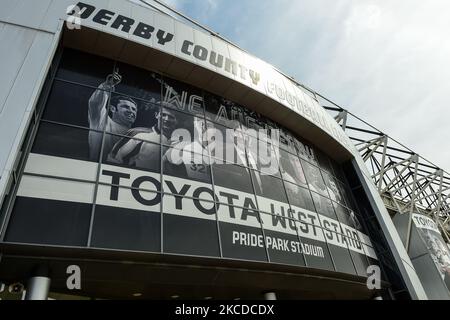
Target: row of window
[
  {"x": 118, "y": 115},
  {"x": 146, "y": 91},
  {"x": 310, "y": 192},
  {"x": 68, "y": 224}
]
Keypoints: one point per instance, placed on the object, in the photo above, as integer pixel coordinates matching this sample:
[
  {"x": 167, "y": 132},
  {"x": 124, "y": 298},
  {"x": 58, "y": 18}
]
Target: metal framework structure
[{"x": 406, "y": 181}]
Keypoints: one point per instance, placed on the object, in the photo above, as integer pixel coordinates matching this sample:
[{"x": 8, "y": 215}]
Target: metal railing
[{"x": 406, "y": 181}]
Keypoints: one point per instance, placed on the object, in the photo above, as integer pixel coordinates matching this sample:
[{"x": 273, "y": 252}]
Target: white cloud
[
  {"x": 152, "y": 4},
  {"x": 364, "y": 16}
]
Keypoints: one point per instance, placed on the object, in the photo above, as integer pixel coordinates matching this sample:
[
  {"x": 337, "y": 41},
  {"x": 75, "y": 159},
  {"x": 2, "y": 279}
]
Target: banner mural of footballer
[
  {"x": 145, "y": 163},
  {"x": 435, "y": 244}
]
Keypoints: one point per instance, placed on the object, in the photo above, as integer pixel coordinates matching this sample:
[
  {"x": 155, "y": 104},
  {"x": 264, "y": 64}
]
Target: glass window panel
[
  {"x": 146, "y": 125},
  {"x": 124, "y": 140},
  {"x": 338, "y": 244},
  {"x": 323, "y": 160},
  {"x": 333, "y": 188},
  {"x": 247, "y": 215},
  {"x": 223, "y": 111},
  {"x": 308, "y": 225},
  {"x": 68, "y": 142},
  {"x": 179, "y": 127},
  {"x": 287, "y": 141},
  {"x": 305, "y": 151},
  {"x": 254, "y": 124},
  {"x": 122, "y": 120},
  {"x": 337, "y": 170},
  {"x": 136, "y": 82},
  {"x": 353, "y": 239},
  {"x": 242, "y": 242},
  {"x": 84, "y": 68},
  {"x": 323, "y": 206},
  {"x": 263, "y": 156},
  {"x": 133, "y": 153},
  {"x": 341, "y": 246},
  {"x": 226, "y": 144},
  {"x": 299, "y": 197},
  {"x": 233, "y": 177},
  {"x": 186, "y": 165},
  {"x": 134, "y": 186},
  {"x": 356, "y": 221},
  {"x": 360, "y": 262},
  {"x": 314, "y": 178},
  {"x": 183, "y": 97},
  {"x": 126, "y": 229},
  {"x": 201, "y": 206},
  {"x": 291, "y": 169},
  {"x": 346, "y": 216},
  {"x": 372, "y": 257},
  {"x": 269, "y": 187},
  {"x": 190, "y": 227},
  {"x": 127, "y": 115},
  {"x": 98, "y": 109},
  {"x": 59, "y": 167},
  {"x": 77, "y": 105},
  {"x": 127, "y": 219},
  {"x": 342, "y": 259},
  {"x": 235, "y": 197},
  {"x": 275, "y": 207},
  {"x": 316, "y": 253},
  {"x": 282, "y": 241},
  {"x": 51, "y": 211},
  {"x": 348, "y": 197},
  {"x": 190, "y": 236},
  {"x": 58, "y": 222}
]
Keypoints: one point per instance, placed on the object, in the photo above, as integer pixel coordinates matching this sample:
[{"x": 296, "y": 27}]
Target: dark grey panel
[
  {"x": 49, "y": 222},
  {"x": 242, "y": 242},
  {"x": 190, "y": 236},
  {"x": 125, "y": 229}
]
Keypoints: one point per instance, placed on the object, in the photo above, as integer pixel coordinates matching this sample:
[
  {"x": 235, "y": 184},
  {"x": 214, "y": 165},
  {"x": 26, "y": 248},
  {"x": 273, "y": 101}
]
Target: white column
[
  {"x": 38, "y": 288},
  {"x": 270, "y": 296}
]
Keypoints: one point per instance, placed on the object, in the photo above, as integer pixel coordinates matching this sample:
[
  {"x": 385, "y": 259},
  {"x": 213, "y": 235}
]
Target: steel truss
[{"x": 406, "y": 181}]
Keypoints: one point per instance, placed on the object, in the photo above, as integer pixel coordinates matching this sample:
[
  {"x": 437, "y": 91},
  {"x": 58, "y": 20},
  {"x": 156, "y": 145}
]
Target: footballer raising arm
[{"x": 98, "y": 102}]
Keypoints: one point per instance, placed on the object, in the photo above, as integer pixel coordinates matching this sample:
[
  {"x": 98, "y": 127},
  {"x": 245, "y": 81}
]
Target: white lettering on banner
[
  {"x": 290, "y": 219},
  {"x": 340, "y": 234},
  {"x": 141, "y": 190},
  {"x": 424, "y": 222},
  {"x": 56, "y": 189},
  {"x": 249, "y": 70},
  {"x": 274, "y": 243}
]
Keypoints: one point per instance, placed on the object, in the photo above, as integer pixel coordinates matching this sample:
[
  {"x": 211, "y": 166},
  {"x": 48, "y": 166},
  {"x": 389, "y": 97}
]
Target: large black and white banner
[
  {"x": 435, "y": 244},
  {"x": 126, "y": 159}
]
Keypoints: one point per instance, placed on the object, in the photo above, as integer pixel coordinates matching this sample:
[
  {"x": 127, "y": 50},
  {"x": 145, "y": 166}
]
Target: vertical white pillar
[
  {"x": 38, "y": 288},
  {"x": 270, "y": 296}
]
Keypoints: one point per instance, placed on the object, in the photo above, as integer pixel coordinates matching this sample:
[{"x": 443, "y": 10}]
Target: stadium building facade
[{"x": 157, "y": 160}]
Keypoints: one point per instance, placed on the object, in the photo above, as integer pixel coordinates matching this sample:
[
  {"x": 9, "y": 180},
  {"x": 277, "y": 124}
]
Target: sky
[{"x": 387, "y": 61}]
